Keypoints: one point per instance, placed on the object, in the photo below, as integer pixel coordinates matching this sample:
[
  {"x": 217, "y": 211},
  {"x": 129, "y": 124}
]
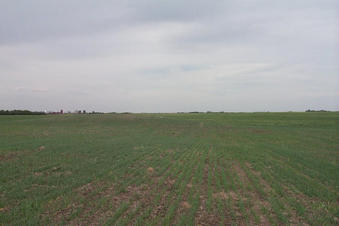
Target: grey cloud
[
  {"x": 148, "y": 55},
  {"x": 176, "y": 10},
  {"x": 36, "y": 20}
]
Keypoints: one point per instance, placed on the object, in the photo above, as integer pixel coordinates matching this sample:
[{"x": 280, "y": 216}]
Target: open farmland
[{"x": 170, "y": 169}]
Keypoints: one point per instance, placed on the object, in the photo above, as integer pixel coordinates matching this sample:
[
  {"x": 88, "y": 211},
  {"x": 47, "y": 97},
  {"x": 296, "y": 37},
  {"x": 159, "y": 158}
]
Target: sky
[{"x": 169, "y": 56}]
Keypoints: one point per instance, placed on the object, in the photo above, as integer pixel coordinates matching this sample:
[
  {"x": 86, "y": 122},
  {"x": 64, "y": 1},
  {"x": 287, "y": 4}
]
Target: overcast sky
[{"x": 169, "y": 56}]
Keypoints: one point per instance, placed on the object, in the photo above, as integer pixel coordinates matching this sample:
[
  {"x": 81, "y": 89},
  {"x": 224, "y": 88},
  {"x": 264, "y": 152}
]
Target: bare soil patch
[
  {"x": 185, "y": 205},
  {"x": 150, "y": 170},
  {"x": 257, "y": 201},
  {"x": 203, "y": 217},
  {"x": 223, "y": 195},
  {"x": 266, "y": 186},
  {"x": 9, "y": 156}
]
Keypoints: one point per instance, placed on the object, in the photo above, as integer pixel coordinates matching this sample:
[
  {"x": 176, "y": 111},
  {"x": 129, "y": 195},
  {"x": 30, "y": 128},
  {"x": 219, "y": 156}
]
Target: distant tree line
[
  {"x": 20, "y": 112},
  {"x": 199, "y": 112},
  {"x": 95, "y": 112},
  {"x": 309, "y": 110}
]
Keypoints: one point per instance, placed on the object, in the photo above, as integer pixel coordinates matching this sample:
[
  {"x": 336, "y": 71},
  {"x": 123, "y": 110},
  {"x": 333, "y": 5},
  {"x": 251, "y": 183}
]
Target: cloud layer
[{"x": 156, "y": 56}]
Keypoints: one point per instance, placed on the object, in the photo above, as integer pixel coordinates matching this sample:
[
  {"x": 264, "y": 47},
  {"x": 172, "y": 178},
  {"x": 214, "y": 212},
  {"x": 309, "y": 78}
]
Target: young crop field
[{"x": 170, "y": 169}]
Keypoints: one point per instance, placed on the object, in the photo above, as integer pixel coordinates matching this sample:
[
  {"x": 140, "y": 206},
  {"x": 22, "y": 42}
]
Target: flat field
[{"x": 170, "y": 169}]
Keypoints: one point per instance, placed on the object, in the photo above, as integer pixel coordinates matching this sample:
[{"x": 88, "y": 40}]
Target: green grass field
[{"x": 170, "y": 169}]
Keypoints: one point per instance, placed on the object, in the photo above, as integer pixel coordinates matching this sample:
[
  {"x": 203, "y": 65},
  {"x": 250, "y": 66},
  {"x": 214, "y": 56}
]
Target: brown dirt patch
[
  {"x": 257, "y": 209},
  {"x": 14, "y": 155},
  {"x": 56, "y": 213},
  {"x": 241, "y": 173},
  {"x": 170, "y": 151},
  {"x": 223, "y": 195},
  {"x": 266, "y": 186},
  {"x": 220, "y": 195},
  {"x": 86, "y": 189},
  {"x": 133, "y": 191},
  {"x": 257, "y": 201},
  {"x": 9, "y": 156},
  {"x": 134, "y": 195},
  {"x": 170, "y": 182},
  {"x": 186, "y": 205},
  {"x": 161, "y": 208},
  {"x": 307, "y": 202},
  {"x": 205, "y": 218},
  {"x": 67, "y": 173},
  {"x": 38, "y": 174},
  {"x": 150, "y": 170}
]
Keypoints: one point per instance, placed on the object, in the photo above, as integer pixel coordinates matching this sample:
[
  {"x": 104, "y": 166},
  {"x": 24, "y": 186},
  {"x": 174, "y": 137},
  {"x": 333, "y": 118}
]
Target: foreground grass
[{"x": 182, "y": 169}]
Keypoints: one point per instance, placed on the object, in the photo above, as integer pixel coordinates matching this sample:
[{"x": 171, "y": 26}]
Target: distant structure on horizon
[{"x": 54, "y": 112}]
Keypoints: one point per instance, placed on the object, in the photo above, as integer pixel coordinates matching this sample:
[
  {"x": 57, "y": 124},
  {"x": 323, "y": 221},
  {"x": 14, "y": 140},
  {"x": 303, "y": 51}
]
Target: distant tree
[{"x": 20, "y": 112}]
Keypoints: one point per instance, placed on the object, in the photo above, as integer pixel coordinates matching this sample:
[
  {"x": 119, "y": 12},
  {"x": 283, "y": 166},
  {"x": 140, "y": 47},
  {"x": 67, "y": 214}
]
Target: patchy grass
[{"x": 170, "y": 169}]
